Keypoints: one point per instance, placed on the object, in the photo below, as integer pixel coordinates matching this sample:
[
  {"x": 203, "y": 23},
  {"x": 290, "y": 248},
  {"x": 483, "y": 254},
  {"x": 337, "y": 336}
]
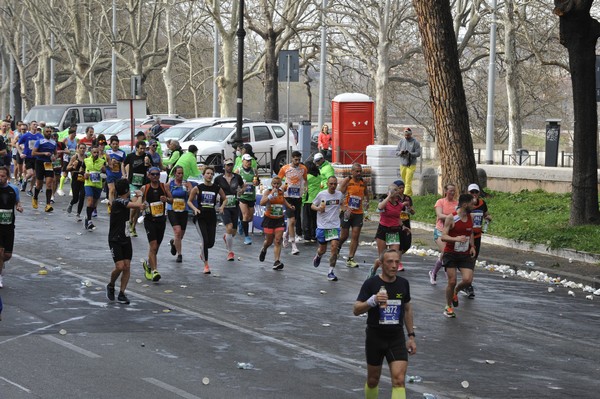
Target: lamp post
[
  {"x": 113, "y": 75},
  {"x": 489, "y": 131},
  {"x": 322, "y": 72},
  {"x": 241, "y": 33}
]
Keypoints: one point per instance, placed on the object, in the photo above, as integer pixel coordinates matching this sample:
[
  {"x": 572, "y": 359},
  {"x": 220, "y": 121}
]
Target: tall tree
[
  {"x": 512, "y": 77},
  {"x": 579, "y": 33},
  {"x": 448, "y": 102}
]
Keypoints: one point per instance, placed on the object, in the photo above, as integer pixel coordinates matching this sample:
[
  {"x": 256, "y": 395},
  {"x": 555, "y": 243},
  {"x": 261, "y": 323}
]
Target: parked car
[
  {"x": 101, "y": 127},
  {"x": 266, "y": 138},
  {"x": 61, "y": 116},
  {"x": 188, "y": 130}
]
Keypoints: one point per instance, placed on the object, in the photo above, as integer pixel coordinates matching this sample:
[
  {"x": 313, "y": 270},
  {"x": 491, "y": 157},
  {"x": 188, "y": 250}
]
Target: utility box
[
  {"x": 353, "y": 128},
  {"x": 552, "y": 141}
]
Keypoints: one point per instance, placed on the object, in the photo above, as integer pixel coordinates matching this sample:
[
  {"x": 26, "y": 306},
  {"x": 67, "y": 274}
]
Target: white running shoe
[
  {"x": 1, "y": 285},
  {"x": 295, "y": 250},
  {"x": 60, "y": 192},
  {"x": 104, "y": 201}
]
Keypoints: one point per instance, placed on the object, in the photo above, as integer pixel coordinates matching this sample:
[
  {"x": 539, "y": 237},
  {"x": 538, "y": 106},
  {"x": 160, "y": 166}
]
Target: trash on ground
[
  {"x": 205, "y": 381},
  {"x": 465, "y": 384},
  {"x": 414, "y": 378},
  {"x": 62, "y": 331},
  {"x": 245, "y": 366}
]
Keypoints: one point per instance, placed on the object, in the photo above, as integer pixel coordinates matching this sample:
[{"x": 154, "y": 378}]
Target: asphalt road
[{"x": 515, "y": 339}]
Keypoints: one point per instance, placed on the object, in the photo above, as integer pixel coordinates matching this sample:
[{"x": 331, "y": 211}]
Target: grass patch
[{"x": 532, "y": 216}]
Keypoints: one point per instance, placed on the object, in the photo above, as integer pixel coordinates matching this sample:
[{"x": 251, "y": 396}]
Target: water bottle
[
  {"x": 346, "y": 215},
  {"x": 383, "y": 290},
  {"x": 484, "y": 228}
]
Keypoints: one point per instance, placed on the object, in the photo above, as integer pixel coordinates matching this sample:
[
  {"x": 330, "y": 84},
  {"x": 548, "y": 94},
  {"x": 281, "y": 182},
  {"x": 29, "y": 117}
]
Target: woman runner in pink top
[{"x": 443, "y": 207}]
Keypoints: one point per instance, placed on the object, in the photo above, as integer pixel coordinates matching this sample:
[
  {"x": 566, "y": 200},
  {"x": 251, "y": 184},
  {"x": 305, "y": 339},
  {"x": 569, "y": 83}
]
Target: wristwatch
[{"x": 411, "y": 334}]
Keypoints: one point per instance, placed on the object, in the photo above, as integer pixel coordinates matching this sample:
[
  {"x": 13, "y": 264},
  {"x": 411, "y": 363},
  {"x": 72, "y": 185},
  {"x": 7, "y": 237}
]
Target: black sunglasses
[
  {"x": 474, "y": 192},
  {"x": 154, "y": 174}
]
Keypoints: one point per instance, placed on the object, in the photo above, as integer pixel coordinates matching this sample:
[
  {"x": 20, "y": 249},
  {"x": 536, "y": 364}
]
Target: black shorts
[
  {"x": 40, "y": 172},
  {"x": 155, "y": 228},
  {"x": 20, "y": 161},
  {"x": 121, "y": 250},
  {"x": 355, "y": 220},
  {"x": 390, "y": 345},
  {"x": 383, "y": 231},
  {"x": 7, "y": 238},
  {"x": 249, "y": 203},
  {"x": 294, "y": 213},
  {"x": 458, "y": 261},
  {"x": 29, "y": 163},
  {"x": 272, "y": 223},
  {"x": 178, "y": 219},
  {"x": 231, "y": 216}
]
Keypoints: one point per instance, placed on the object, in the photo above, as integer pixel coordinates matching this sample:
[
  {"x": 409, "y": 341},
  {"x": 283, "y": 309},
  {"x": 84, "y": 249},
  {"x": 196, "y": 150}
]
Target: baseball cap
[
  {"x": 154, "y": 169},
  {"x": 228, "y": 161},
  {"x": 247, "y": 157},
  {"x": 473, "y": 187},
  {"x": 318, "y": 157},
  {"x": 407, "y": 130},
  {"x": 399, "y": 183},
  {"x": 151, "y": 142}
]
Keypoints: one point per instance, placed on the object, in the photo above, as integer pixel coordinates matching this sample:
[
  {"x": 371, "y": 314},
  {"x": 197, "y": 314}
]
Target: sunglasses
[
  {"x": 154, "y": 174},
  {"x": 474, "y": 192}
]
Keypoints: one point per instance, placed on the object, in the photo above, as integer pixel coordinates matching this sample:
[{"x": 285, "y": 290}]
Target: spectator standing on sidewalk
[
  {"x": 408, "y": 150},
  {"x": 324, "y": 143}
]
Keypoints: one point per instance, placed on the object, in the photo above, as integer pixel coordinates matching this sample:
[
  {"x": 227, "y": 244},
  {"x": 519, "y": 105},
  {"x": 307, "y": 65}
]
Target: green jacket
[
  {"x": 189, "y": 164},
  {"x": 314, "y": 186},
  {"x": 175, "y": 155},
  {"x": 326, "y": 171}
]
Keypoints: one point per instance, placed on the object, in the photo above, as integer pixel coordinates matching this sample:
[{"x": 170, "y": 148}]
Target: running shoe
[
  {"x": 285, "y": 239},
  {"x": 230, "y": 257},
  {"x": 263, "y": 254},
  {"x": 432, "y": 278},
  {"x": 30, "y": 193},
  {"x": 95, "y": 213},
  {"x": 104, "y": 201},
  {"x": 351, "y": 262},
  {"x": 247, "y": 240},
  {"x": 147, "y": 271},
  {"x": 122, "y": 298},
  {"x": 1, "y": 283},
  {"x": 132, "y": 232},
  {"x": 206, "y": 269},
  {"x": 179, "y": 259},
  {"x": 400, "y": 267},
  {"x": 299, "y": 238},
  {"x": 316, "y": 261},
  {"x": 70, "y": 208},
  {"x": 48, "y": 208},
  {"x": 277, "y": 265},
  {"x": 469, "y": 292},
  {"x": 449, "y": 312},
  {"x": 34, "y": 203},
  {"x": 332, "y": 277},
  {"x": 455, "y": 300},
  {"x": 110, "y": 292},
  {"x": 52, "y": 200},
  {"x": 78, "y": 218},
  {"x": 62, "y": 194},
  {"x": 173, "y": 249},
  {"x": 295, "y": 250},
  {"x": 24, "y": 185},
  {"x": 90, "y": 226},
  {"x": 155, "y": 276}
]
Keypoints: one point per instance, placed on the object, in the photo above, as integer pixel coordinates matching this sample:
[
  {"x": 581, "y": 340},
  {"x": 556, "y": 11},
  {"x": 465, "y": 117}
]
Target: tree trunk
[
  {"x": 167, "y": 70},
  {"x": 382, "y": 79},
  {"x": 271, "y": 78},
  {"x": 511, "y": 79},
  {"x": 579, "y": 33},
  {"x": 448, "y": 102},
  {"x": 225, "y": 82}
]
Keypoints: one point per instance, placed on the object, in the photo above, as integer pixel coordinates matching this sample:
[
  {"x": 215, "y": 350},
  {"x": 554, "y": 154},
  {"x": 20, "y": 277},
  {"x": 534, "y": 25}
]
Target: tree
[
  {"x": 448, "y": 101},
  {"x": 579, "y": 33}
]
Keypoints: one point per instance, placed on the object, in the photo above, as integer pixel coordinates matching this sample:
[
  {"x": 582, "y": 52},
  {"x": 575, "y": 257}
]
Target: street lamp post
[
  {"x": 489, "y": 132},
  {"x": 241, "y": 33}
]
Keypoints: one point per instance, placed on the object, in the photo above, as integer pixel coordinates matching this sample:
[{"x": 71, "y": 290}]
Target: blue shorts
[
  {"x": 111, "y": 178},
  {"x": 321, "y": 235},
  {"x": 94, "y": 192}
]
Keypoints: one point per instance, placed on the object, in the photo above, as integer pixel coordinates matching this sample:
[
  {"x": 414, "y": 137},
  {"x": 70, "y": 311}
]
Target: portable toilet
[{"x": 353, "y": 127}]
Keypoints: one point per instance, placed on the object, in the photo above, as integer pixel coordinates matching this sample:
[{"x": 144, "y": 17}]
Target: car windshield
[
  {"x": 213, "y": 133},
  {"x": 101, "y": 127},
  {"x": 117, "y": 127},
  {"x": 51, "y": 115},
  {"x": 174, "y": 133}
]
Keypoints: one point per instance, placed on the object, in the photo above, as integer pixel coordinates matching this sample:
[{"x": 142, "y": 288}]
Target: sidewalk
[{"x": 495, "y": 250}]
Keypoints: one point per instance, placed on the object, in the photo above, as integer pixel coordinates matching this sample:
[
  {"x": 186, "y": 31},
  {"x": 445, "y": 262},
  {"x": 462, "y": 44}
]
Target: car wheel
[
  {"x": 215, "y": 161},
  {"x": 280, "y": 160}
]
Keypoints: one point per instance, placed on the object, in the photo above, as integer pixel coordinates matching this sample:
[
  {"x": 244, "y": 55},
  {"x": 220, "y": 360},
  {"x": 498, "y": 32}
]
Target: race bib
[
  {"x": 6, "y": 216},
  {"x": 391, "y": 313},
  {"x": 115, "y": 166},
  {"x": 137, "y": 179},
  {"x": 277, "y": 210},
  {"x": 231, "y": 201},
  {"x": 293, "y": 192},
  {"x": 461, "y": 246},
  {"x": 157, "y": 209},
  {"x": 392, "y": 238},
  {"x": 95, "y": 177},
  {"x": 354, "y": 202},
  {"x": 56, "y": 164},
  {"x": 178, "y": 204},
  {"x": 207, "y": 199},
  {"x": 48, "y": 166},
  {"x": 31, "y": 144},
  {"x": 477, "y": 217},
  {"x": 331, "y": 234},
  {"x": 249, "y": 189}
]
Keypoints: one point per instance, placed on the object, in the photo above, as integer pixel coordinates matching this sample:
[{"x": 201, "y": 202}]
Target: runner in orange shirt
[
  {"x": 294, "y": 175},
  {"x": 356, "y": 201}
]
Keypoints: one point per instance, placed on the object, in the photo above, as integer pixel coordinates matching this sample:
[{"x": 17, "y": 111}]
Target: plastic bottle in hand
[{"x": 384, "y": 291}]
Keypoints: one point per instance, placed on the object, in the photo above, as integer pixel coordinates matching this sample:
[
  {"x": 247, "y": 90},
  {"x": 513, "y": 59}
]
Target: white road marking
[
  {"x": 170, "y": 388},
  {"x": 37, "y": 330},
  {"x": 72, "y": 347},
  {"x": 21, "y": 387}
]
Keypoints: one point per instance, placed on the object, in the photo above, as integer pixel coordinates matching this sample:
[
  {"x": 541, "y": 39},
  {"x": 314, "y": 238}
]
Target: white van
[{"x": 61, "y": 116}]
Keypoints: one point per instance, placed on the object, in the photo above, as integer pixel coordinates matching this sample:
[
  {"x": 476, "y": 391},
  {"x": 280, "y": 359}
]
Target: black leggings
[
  {"x": 206, "y": 225},
  {"x": 78, "y": 194},
  {"x": 309, "y": 222}
]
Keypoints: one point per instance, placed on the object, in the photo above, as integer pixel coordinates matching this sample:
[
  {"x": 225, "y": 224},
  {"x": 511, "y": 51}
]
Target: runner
[
  {"x": 459, "y": 252},
  {"x": 9, "y": 201},
  {"x": 70, "y": 143},
  {"x": 273, "y": 224},
  {"x": 386, "y": 298},
  {"x": 443, "y": 207},
  {"x": 205, "y": 217},
  {"x": 327, "y": 204},
  {"x": 405, "y": 214},
  {"x": 26, "y": 143},
  {"x": 115, "y": 158},
  {"x": 309, "y": 217},
  {"x": 295, "y": 177},
  {"x": 156, "y": 194},
  {"x": 89, "y": 138},
  {"x": 232, "y": 184},
  {"x": 481, "y": 217},
  {"x": 119, "y": 241},
  {"x": 44, "y": 151},
  {"x": 177, "y": 212},
  {"x": 248, "y": 198},
  {"x": 136, "y": 168},
  {"x": 57, "y": 163},
  {"x": 94, "y": 166},
  {"x": 77, "y": 169},
  {"x": 18, "y": 162},
  {"x": 356, "y": 203}
]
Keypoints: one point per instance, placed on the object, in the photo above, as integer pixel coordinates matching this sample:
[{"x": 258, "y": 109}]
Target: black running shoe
[
  {"x": 179, "y": 259},
  {"x": 277, "y": 265},
  {"x": 110, "y": 292},
  {"x": 263, "y": 254},
  {"x": 470, "y": 292},
  {"x": 173, "y": 249},
  {"x": 122, "y": 298}
]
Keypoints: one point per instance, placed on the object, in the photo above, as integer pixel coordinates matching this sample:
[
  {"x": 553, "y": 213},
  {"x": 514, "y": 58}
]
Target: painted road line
[
  {"x": 170, "y": 388},
  {"x": 21, "y": 387},
  {"x": 74, "y": 348}
]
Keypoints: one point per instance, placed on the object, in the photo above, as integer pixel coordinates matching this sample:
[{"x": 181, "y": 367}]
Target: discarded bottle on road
[
  {"x": 414, "y": 379},
  {"x": 245, "y": 366}
]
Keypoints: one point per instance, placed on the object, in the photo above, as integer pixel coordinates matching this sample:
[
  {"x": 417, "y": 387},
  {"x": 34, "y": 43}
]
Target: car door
[{"x": 262, "y": 141}]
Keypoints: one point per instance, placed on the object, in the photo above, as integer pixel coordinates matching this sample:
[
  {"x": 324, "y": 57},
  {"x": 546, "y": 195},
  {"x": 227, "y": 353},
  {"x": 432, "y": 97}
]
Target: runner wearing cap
[
  {"x": 295, "y": 177},
  {"x": 94, "y": 166},
  {"x": 408, "y": 150},
  {"x": 44, "y": 151},
  {"x": 136, "y": 168},
  {"x": 231, "y": 184},
  {"x": 115, "y": 160},
  {"x": 248, "y": 197}
]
